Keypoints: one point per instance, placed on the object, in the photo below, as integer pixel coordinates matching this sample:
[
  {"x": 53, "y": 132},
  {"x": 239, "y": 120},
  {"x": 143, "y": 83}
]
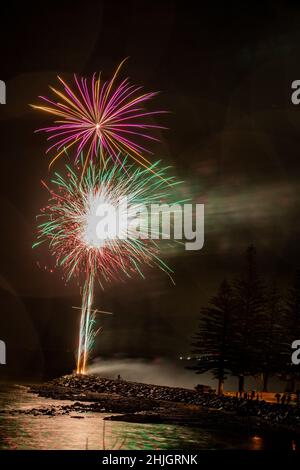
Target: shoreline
[{"x": 144, "y": 403}]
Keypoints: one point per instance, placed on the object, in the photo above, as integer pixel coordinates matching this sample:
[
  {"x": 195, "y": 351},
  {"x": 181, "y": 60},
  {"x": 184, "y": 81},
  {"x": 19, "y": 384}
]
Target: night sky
[{"x": 225, "y": 74}]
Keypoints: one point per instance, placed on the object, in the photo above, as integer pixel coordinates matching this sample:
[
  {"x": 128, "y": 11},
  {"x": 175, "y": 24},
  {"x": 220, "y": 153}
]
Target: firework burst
[
  {"x": 69, "y": 225},
  {"x": 101, "y": 119}
]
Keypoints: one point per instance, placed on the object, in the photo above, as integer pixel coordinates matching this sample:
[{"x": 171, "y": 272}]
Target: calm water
[{"x": 92, "y": 432}]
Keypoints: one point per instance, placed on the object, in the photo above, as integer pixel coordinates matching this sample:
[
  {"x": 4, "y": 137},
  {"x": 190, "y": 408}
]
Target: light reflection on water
[{"x": 90, "y": 431}]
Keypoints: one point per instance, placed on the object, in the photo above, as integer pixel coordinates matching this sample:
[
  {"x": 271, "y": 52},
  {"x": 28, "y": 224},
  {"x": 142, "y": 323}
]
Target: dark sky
[{"x": 225, "y": 73}]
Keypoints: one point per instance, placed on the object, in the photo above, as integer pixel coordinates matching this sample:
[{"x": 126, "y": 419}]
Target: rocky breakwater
[
  {"x": 138, "y": 402},
  {"x": 87, "y": 387}
]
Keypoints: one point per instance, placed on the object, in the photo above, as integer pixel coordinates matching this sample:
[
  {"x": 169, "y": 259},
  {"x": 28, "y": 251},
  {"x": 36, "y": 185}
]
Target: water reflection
[{"x": 90, "y": 431}]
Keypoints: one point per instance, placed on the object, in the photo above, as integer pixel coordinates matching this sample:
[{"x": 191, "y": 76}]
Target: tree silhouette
[
  {"x": 271, "y": 336},
  {"x": 248, "y": 320},
  {"x": 212, "y": 341},
  {"x": 248, "y": 329},
  {"x": 292, "y": 327}
]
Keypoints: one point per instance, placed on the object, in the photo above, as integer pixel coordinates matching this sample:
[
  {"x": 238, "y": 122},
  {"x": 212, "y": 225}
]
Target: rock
[{"x": 106, "y": 395}]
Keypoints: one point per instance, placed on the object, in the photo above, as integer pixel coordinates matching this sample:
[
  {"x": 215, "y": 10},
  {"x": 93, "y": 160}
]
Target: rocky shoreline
[{"x": 144, "y": 403}]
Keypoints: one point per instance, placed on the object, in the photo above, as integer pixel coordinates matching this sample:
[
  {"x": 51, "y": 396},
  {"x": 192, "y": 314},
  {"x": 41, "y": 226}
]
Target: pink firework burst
[{"x": 100, "y": 118}]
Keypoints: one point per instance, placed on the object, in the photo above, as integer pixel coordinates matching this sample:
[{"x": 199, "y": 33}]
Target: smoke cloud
[{"x": 156, "y": 372}]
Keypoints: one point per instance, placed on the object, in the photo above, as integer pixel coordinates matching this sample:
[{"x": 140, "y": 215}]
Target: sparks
[
  {"x": 68, "y": 225},
  {"x": 99, "y": 119}
]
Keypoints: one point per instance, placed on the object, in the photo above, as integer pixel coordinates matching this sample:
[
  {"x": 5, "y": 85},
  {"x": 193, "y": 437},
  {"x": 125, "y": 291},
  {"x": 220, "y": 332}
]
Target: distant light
[
  {"x": 188, "y": 358},
  {"x": 181, "y": 358},
  {"x": 257, "y": 443}
]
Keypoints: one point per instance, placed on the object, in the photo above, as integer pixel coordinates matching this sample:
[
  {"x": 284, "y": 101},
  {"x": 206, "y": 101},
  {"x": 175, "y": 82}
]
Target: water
[{"x": 90, "y": 431}]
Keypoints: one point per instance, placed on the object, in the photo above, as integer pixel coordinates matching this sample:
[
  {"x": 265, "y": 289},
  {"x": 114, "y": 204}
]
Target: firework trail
[
  {"x": 68, "y": 224},
  {"x": 101, "y": 119}
]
